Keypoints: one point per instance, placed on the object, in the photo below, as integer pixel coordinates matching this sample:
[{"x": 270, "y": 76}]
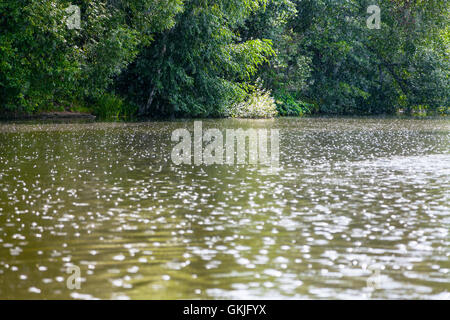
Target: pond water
[{"x": 359, "y": 208}]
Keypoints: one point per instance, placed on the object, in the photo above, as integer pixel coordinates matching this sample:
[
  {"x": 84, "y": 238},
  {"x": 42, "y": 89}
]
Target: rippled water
[{"x": 359, "y": 209}]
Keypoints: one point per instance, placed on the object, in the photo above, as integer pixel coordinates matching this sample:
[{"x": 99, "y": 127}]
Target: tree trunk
[{"x": 144, "y": 109}]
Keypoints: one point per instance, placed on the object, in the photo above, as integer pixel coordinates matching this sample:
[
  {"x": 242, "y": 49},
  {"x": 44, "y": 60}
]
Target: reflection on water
[{"x": 351, "y": 195}]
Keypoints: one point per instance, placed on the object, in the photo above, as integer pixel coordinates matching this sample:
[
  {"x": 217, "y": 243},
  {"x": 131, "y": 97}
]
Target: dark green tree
[{"x": 199, "y": 66}]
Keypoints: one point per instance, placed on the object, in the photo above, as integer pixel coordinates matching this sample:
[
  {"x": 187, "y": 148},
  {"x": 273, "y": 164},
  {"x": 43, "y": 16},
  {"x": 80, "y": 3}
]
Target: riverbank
[
  {"x": 54, "y": 115},
  {"x": 77, "y": 116}
]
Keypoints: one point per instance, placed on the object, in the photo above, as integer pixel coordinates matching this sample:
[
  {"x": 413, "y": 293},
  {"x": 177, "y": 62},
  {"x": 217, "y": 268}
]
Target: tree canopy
[{"x": 199, "y": 57}]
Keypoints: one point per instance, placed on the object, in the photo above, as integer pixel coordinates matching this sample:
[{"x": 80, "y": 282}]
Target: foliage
[
  {"x": 37, "y": 64},
  {"x": 288, "y": 71},
  {"x": 198, "y": 67},
  {"x": 198, "y": 57},
  {"x": 112, "y": 107},
  {"x": 327, "y": 55},
  {"x": 289, "y": 106},
  {"x": 258, "y": 104},
  {"x": 43, "y": 62}
]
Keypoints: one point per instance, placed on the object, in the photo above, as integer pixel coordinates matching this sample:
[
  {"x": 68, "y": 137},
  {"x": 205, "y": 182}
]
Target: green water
[{"x": 354, "y": 201}]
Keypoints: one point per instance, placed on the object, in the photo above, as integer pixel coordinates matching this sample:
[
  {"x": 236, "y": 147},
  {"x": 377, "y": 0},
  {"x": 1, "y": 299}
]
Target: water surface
[{"x": 356, "y": 202}]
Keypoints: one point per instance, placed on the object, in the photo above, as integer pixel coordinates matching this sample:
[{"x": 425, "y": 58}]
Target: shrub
[
  {"x": 259, "y": 104},
  {"x": 443, "y": 111},
  {"x": 112, "y": 107},
  {"x": 288, "y": 106}
]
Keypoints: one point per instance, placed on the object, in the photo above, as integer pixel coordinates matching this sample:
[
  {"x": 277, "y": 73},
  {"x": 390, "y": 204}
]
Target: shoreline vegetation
[
  {"x": 80, "y": 116},
  {"x": 245, "y": 59},
  {"x": 63, "y": 115}
]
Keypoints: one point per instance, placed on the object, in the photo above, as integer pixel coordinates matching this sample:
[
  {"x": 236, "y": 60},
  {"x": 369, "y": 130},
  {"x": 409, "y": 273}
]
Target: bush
[
  {"x": 112, "y": 107},
  {"x": 259, "y": 104},
  {"x": 288, "y": 106},
  {"x": 443, "y": 111}
]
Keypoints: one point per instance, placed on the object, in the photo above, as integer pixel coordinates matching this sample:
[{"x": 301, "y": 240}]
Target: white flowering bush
[{"x": 259, "y": 104}]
